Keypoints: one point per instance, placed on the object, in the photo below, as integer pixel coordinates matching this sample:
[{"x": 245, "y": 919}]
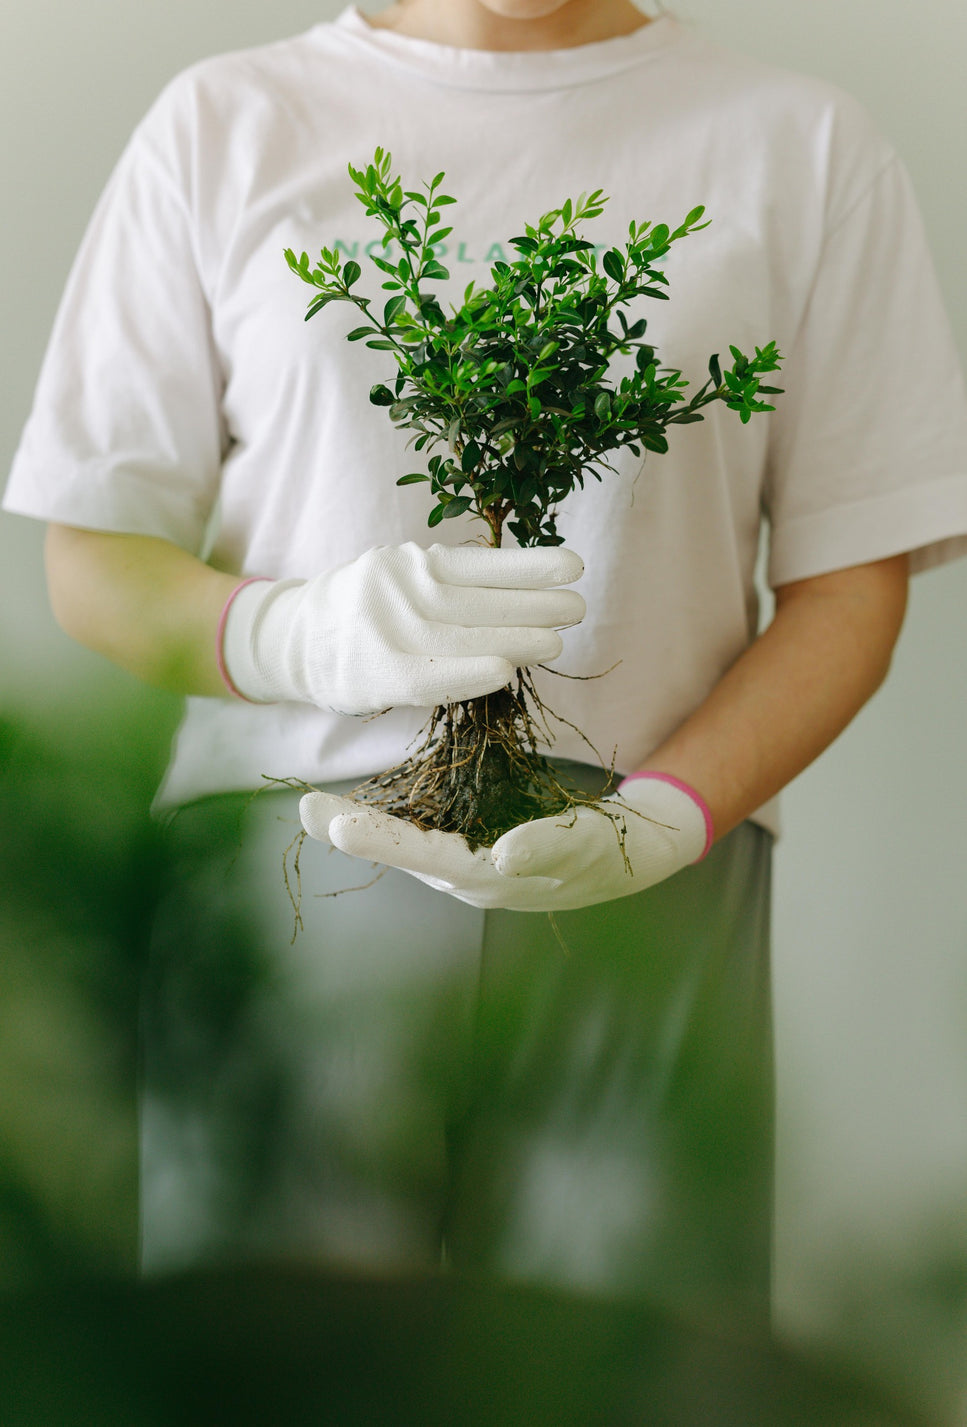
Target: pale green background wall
[{"x": 871, "y": 915}]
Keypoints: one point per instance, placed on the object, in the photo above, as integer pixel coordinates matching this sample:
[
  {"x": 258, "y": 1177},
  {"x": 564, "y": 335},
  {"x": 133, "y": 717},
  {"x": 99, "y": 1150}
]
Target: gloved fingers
[
  {"x": 317, "y": 811},
  {"x": 366, "y": 832},
  {"x": 661, "y": 814},
  {"x": 518, "y": 646},
  {"x": 436, "y": 680},
  {"x": 363, "y": 831},
  {"x": 507, "y": 568},
  {"x": 615, "y": 841},
  {"x": 473, "y": 605},
  {"x": 560, "y": 846},
  {"x": 441, "y": 859}
]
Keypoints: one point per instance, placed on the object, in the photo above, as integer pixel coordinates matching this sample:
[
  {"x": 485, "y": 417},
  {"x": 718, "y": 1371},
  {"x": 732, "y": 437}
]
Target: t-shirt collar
[{"x": 515, "y": 70}]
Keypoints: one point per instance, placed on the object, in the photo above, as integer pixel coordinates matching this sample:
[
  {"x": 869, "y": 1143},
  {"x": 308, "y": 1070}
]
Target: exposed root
[
  {"x": 557, "y": 932},
  {"x": 479, "y": 770},
  {"x": 579, "y": 678},
  {"x": 363, "y": 887},
  {"x": 295, "y": 893}
]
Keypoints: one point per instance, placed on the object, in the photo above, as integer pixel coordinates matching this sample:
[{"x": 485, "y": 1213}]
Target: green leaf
[
  {"x": 351, "y": 273},
  {"x": 458, "y": 506},
  {"x": 551, "y": 315},
  {"x": 613, "y": 265},
  {"x": 470, "y": 459},
  {"x": 319, "y": 304},
  {"x": 358, "y": 333}
]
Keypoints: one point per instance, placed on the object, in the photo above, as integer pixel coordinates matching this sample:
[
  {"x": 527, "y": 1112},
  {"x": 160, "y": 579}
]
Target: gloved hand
[
  {"x": 399, "y": 625},
  {"x": 551, "y": 865}
]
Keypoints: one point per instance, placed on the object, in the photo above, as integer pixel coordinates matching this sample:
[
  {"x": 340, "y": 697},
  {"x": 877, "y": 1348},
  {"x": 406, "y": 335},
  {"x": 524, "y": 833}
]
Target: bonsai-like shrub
[{"x": 514, "y": 393}]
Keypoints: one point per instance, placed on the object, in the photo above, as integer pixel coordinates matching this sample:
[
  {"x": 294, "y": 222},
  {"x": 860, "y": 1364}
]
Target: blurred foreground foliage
[
  {"x": 84, "y": 874},
  {"x": 80, "y": 858},
  {"x": 296, "y": 1349}
]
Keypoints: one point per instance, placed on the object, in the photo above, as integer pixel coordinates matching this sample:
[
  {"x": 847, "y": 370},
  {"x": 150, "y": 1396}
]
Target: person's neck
[{"x": 467, "y": 24}]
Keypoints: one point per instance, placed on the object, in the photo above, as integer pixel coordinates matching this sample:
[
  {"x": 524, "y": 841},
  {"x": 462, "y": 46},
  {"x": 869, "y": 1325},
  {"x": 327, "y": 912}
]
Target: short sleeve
[
  {"x": 126, "y": 432},
  {"x": 868, "y": 453}
]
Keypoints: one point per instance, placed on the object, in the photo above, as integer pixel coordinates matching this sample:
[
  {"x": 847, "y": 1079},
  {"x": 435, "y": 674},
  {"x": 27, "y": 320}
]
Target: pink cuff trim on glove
[
  {"x": 220, "y": 637},
  {"x": 696, "y": 798}
]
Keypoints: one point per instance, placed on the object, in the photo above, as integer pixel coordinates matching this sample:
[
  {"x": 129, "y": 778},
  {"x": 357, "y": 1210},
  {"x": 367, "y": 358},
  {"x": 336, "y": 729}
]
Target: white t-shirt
[{"x": 183, "y": 395}]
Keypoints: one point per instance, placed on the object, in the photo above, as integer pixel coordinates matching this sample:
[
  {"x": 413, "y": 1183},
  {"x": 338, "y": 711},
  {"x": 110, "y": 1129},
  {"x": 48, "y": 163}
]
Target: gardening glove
[
  {"x": 651, "y": 828},
  {"x": 399, "y": 625}
]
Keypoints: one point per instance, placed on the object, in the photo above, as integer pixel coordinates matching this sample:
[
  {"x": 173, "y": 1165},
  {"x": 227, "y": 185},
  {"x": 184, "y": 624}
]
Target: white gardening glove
[
  {"x": 400, "y": 625},
  {"x": 551, "y": 865}
]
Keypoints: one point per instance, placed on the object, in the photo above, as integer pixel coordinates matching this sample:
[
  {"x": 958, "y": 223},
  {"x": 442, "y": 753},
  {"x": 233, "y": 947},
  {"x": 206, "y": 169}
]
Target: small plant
[{"x": 515, "y": 393}]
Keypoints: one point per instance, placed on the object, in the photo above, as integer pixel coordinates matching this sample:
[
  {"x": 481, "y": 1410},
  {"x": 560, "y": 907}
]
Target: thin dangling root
[{"x": 295, "y": 893}]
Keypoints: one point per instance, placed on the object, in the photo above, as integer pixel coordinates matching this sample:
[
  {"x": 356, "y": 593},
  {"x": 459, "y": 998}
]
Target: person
[{"x": 581, "y": 1099}]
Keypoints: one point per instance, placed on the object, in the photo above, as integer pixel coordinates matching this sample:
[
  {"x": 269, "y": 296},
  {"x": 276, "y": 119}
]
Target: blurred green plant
[
  {"x": 86, "y": 868},
  {"x": 292, "y": 1348},
  {"x": 88, "y": 882},
  {"x": 80, "y": 866}
]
